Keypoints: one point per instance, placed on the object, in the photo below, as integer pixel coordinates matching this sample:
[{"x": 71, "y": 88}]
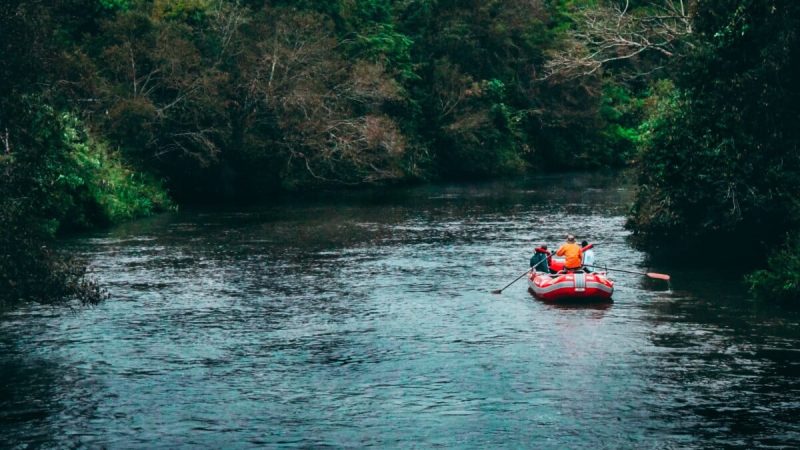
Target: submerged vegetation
[{"x": 108, "y": 105}]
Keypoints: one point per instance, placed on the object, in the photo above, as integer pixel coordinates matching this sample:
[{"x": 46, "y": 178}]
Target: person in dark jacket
[{"x": 539, "y": 260}]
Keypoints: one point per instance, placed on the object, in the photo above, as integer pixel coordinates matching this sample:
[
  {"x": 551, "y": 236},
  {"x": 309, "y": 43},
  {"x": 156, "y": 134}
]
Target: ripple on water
[{"x": 371, "y": 323}]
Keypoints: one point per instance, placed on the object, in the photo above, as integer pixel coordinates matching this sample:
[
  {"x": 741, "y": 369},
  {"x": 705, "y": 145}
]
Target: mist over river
[{"x": 363, "y": 319}]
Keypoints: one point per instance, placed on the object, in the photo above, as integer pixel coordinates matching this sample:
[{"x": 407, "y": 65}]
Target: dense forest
[{"x": 117, "y": 109}]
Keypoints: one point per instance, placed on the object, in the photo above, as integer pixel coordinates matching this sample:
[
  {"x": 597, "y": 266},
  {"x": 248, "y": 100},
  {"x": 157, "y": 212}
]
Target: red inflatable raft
[{"x": 571, "y": 286}]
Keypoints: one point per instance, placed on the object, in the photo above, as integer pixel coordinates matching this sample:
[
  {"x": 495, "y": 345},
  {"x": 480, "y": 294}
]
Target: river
[{"x": 367, "y": 319}]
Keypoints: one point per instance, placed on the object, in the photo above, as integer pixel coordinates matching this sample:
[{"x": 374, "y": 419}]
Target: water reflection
[
  {"x": 25, "y": 393},
  {"x": 600, "y": 306}
]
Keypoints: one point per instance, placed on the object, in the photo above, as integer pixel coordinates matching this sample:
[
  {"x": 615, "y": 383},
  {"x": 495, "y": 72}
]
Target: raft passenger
[
  {"x": 540, "y": 259},
  {"x": 588, "y": 256},
  {"x": 571, "y": 253}
]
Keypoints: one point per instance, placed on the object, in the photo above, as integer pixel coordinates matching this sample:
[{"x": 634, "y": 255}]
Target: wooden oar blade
[
  {"x": 659, "y": 276},
  {"x": 497, "y": 291}
]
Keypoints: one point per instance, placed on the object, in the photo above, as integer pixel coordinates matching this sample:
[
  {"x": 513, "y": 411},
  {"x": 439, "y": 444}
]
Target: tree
[
  {"x": 53, "y": 174},
  {"x": 721, "y": 154},
  {"x": 612, "y": 32},
  {"x": 325, "y": 112},
  {"x": 30, "y": 270}
]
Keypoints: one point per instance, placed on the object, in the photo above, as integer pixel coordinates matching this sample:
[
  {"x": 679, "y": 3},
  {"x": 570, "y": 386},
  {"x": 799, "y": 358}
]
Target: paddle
[
  {"x": 500, "y": 291},
  {"x": 659, "y": 276}
]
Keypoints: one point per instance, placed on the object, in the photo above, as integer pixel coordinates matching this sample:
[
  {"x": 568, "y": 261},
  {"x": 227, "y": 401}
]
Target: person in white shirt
[{"x": 588, "y": 257}]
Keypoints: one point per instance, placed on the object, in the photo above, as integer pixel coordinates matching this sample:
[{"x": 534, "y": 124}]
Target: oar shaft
[
  {"x": 660, "y": 276},
  {"x": 618, "y": 270},
  {"x": 516, "y": 279}
]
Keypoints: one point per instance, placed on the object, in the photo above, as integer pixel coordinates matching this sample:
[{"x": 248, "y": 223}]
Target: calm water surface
[{"x": 359, "y": 320}]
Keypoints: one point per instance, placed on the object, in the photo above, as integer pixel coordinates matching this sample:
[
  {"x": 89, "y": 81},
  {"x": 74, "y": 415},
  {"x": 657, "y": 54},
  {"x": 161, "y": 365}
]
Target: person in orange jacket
[{"x": 571, "y": 252}]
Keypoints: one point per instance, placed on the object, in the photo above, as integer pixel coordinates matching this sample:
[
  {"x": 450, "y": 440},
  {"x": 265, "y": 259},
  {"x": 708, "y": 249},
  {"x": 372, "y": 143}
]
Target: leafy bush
[
  {"x": 55, "y": 177},
  {"x": 781, "y": 282},
  {"x": 30, "y": 270},
  {"x": 32, "y": 201},
  {"x": 115, "y": 4},
  {"x": 621, "y": 114},
  {"x": 720, "y": 158},
  {"x": 105, "y": 189},
  {"x": 484, "y": 138}
]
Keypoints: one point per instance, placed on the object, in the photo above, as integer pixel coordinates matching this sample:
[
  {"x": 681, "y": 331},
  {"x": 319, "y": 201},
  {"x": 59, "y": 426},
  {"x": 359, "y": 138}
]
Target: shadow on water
[
  {"x": 735, "y": 360},
  {"x": 580, "y": 305},
  {"x": 34, "y": 391},
  {"x": 27, "y": 390},
  {"x": 575, "y": 304}
]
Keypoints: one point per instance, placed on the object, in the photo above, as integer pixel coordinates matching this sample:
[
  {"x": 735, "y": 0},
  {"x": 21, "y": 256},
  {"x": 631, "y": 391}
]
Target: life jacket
[
  {"x": 539, "y": 260},
  {"x": 572, "y": 254}
]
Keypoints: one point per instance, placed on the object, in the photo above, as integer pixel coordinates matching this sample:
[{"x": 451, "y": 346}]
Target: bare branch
[
  {"x": 614, "y": 33},
  {"x": 6, "y": 142}
]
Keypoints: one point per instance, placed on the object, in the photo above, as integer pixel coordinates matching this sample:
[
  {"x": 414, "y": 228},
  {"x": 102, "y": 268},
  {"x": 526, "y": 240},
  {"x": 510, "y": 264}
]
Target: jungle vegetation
[{"x": 116, "y": 109}]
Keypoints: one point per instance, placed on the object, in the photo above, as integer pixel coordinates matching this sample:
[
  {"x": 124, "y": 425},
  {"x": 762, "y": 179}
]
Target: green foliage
[
  {"x": 30, "y": 270},
  {"x": 370, "y": 32},
  {"x": 720, "y": 151},
  {"x": 191, "y": 11},
  {"x": 33, "y": 200},
  {"x": 665, "y": 119},
  {"x": 495, "y": 91},
  {"x": 86, "y": 184},
  {"x": 483, "y": 144},
  {"x": 622, "y": 111},
  {"x": 115, "y": 5},
  {"x": 381, "y": 42},
  {"x": 781, "y": 282},
  {"x": 105, "y": 189},
  {"x": 476, "y": 92},
  {"x": 227, "y": 98},
  {"x": 242, "y": 98},
  {"x": 608, "y": 137}
]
